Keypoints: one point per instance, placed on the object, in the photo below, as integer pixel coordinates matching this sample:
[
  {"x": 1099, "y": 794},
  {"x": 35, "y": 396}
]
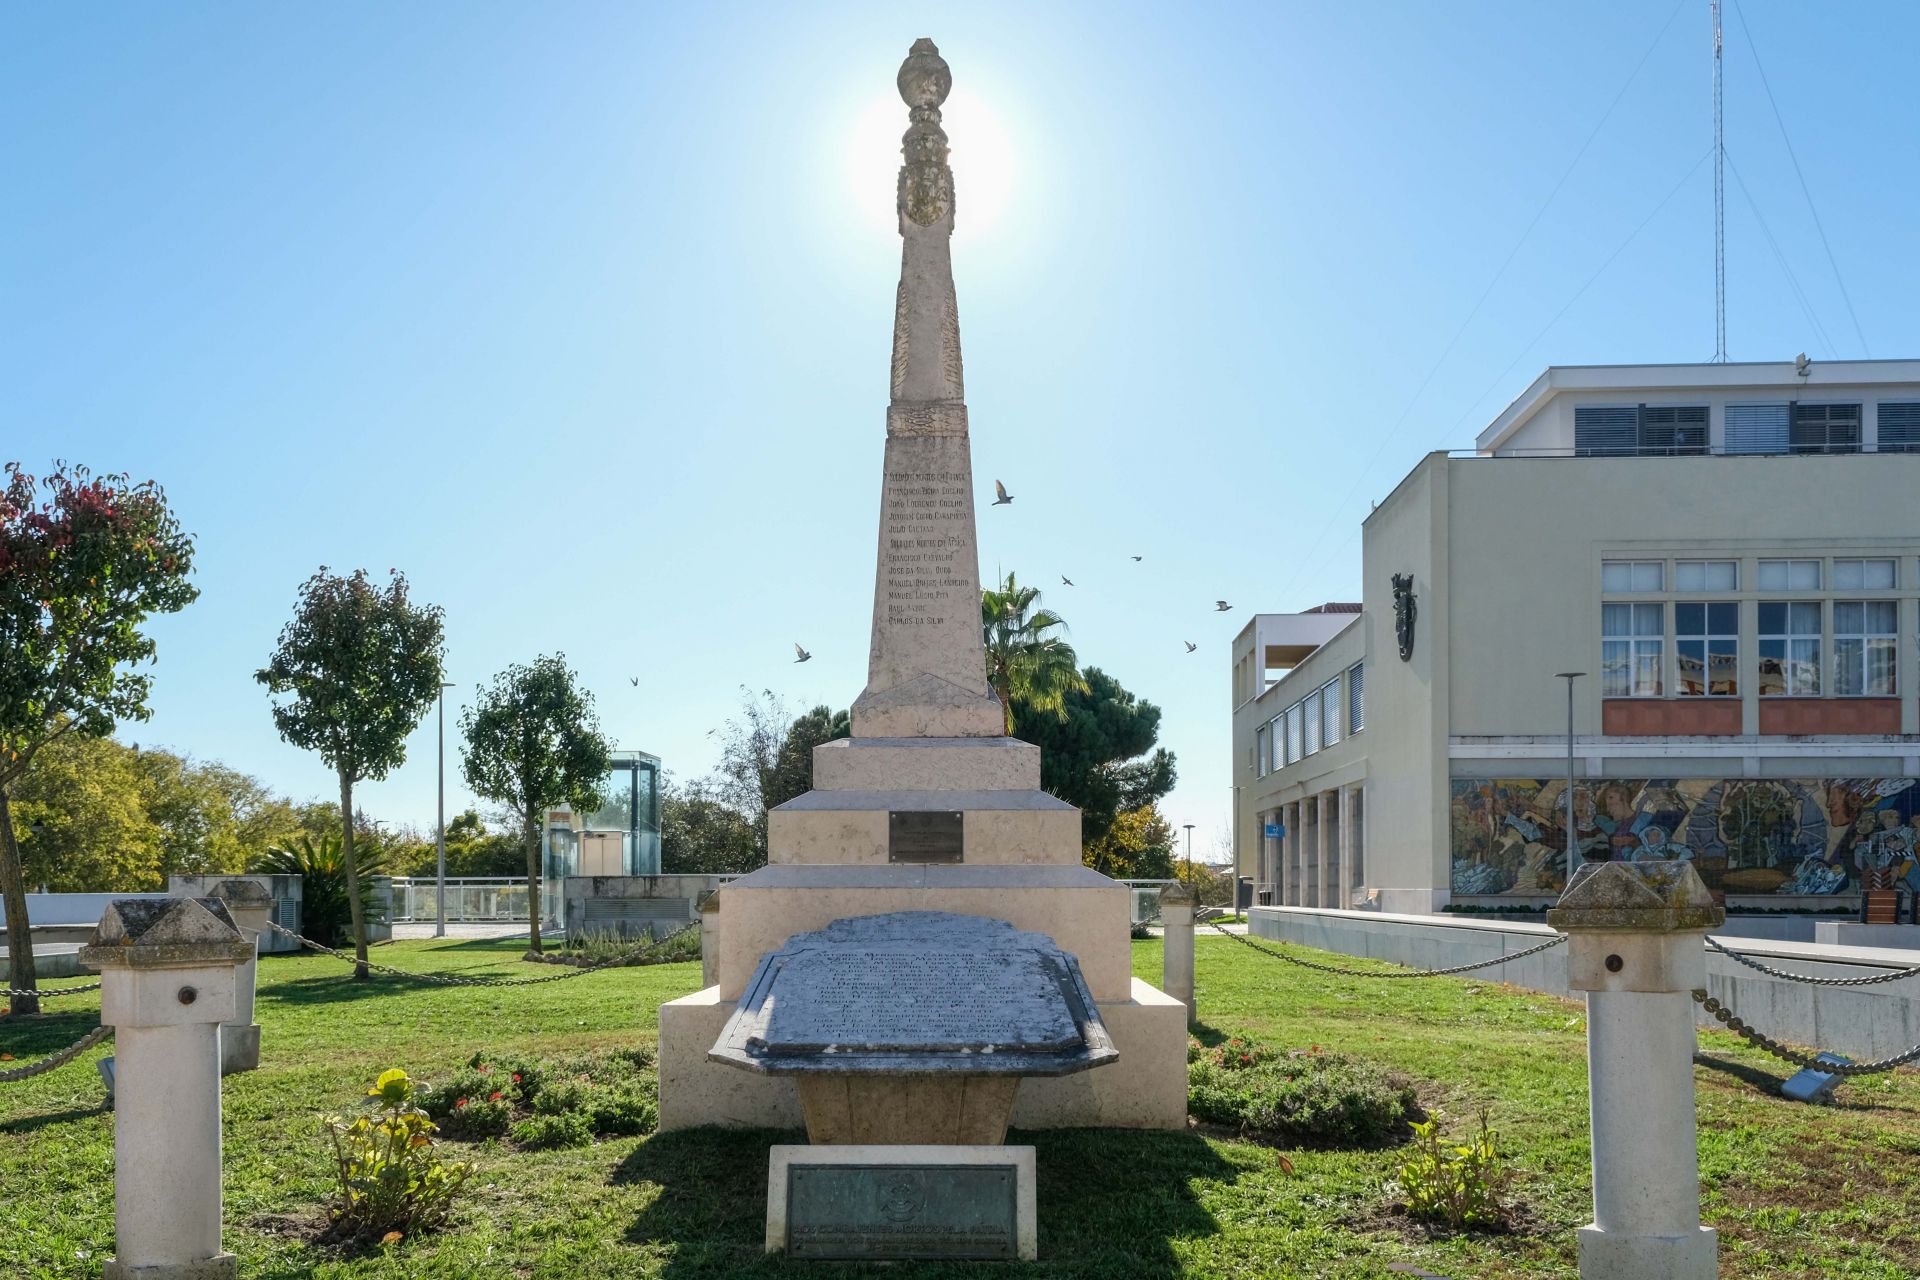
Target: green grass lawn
[{"x": 1795, "y": 1191}]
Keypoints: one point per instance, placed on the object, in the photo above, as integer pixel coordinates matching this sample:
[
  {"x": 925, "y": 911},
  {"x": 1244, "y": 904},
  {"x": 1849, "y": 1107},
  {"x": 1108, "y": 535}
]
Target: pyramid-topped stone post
[
  {"x": 167, "y": 971},
  {"x": 1635, "y": 944}
]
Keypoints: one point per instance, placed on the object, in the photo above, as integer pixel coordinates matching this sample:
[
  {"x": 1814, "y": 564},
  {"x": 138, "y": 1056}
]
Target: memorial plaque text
[
  {"x": 917, "y": 836},
  {"x": 902, "y": 1211}
]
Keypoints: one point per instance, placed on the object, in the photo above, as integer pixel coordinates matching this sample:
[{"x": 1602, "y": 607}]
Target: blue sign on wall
[{"x": 1275, "y": 831}]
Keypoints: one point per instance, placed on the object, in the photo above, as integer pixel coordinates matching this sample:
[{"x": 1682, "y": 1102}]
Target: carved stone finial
[{"x": 926, "y": 183}]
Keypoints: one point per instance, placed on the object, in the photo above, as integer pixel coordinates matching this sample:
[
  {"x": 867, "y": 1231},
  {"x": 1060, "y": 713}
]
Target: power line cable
[
  {"x": 1393, "y": 431},
  {"x": 1804, "y": 189},
  {"x": 1557, "y": 317},
  {"x": 1786, "y": 269}
]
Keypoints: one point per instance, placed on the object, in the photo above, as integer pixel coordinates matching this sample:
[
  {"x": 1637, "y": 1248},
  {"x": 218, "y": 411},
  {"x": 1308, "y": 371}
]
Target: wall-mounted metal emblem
[{"x": 1404, "y": 611}]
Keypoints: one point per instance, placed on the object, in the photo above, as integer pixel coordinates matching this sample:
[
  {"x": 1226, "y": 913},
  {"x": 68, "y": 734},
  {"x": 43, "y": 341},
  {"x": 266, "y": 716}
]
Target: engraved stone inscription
[
  {"x": 902, "y": 1211},
  {"x": 858, "y": 1000},
  {"x": 925, "y": 530},
  {"x": 917, "y": 836}
]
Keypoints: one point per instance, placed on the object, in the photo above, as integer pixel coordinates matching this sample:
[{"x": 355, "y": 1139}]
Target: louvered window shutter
[
  {"x": 1606, "y": 430},
  {"x": 1756, "y": 428},
  {"x": 1673, "y": 429},
  {"x": 1900, "y": 428},
  {"x": 1825, "y": 428}
]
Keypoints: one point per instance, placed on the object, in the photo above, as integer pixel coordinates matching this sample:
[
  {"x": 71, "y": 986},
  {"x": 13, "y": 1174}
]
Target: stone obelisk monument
[
  {"x": 926, "y": 674},
  {"x": 929, "y": 807}
]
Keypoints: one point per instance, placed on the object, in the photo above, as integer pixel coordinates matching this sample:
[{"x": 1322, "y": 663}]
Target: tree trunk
[
  {"x": 356, "y": 908},
  {"x": 530, "y": 836},
  {"x": 13, "y": 889},
  {"x": 1006, "y": 707}
]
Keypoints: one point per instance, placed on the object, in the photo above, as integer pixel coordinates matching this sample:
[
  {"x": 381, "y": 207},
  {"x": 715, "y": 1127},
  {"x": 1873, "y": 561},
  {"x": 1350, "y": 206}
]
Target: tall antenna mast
[{"x": 1719, "y": 204}]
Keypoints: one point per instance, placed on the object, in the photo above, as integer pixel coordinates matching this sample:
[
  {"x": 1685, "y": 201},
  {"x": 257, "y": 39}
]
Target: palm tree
[{"x": 1025, "y": 659}]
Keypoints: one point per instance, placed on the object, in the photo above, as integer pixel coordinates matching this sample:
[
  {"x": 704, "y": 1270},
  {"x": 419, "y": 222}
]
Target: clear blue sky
[{"x": 579, "y": 313}]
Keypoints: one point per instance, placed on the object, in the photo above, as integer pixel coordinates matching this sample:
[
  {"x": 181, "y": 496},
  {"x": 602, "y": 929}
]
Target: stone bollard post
[
  {"x": 1176, "y": 936},
  {"x": 710, "y": 938},
  {"x": 1635, "y": 935},
  {"x": 167, "y": 969},
  {"x": 251, "y": 906}
]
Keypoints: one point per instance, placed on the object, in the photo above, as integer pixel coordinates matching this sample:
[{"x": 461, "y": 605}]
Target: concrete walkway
[{"x": 414, "y": 931}]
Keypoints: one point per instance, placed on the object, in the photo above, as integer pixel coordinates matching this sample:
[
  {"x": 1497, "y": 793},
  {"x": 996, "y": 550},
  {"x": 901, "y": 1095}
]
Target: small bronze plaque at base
[
  {"x": 922, "y": 836},
  {"x": 902, "y": 1211}
]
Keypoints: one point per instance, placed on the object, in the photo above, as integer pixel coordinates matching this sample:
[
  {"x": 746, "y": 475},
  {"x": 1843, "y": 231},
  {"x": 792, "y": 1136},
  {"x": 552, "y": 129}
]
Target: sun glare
[{"x": 983, "y": 161}]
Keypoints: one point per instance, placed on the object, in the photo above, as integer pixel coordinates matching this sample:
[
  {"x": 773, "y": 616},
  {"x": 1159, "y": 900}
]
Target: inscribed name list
[{"x": 938, "y": 1000}]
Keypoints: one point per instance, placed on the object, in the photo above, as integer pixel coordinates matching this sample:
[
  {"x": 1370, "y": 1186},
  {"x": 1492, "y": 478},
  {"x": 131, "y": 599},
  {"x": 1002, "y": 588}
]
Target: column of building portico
[
  {"x": 1320, "y": 849},
  {"x": 1346, "y": 849}
]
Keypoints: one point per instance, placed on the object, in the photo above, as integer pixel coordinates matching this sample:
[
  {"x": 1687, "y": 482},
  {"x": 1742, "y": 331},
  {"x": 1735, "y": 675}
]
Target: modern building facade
[
  {"x": 621, "y": 838},
  {"x": 1731, "y": 555}
]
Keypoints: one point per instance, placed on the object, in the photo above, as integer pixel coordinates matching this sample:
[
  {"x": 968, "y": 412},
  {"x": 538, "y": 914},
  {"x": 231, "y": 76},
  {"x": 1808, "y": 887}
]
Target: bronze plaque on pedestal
[{"x": 921, "y": 836}]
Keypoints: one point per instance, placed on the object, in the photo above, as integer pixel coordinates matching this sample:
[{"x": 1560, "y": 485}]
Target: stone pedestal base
[
  {"x": 883, "y": 1109},
  {"x": 239, "y": 1047},
  {"x": 221, "y": 1266},
  {"x": 1610, "y": 1255}
]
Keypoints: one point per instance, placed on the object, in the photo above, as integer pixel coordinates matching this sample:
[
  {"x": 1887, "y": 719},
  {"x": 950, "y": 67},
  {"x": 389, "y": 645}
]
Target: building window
[
  {"x": 1632, "y": 637},
  {"x": 1790, "y": 648},
  {"x": 1262, "y": 745},
  {"x": 1757, "y": 428},
  {"x": 1356, "y": 698},
  {"x": 1628, "y": 431},
  {"x": 1633, "y": 575},
  {"x": 1706, "y": 648},
  {"x": 1293, "y": 733},
  {"x": 1310, "y": 714},
  {"x": 1900, "y": 428},
  {"x": 1706, "y": 575},
  {"x": 1276, "y": 744},
  {"x": 1789, "y": 575},
  {"x": 1330, "y": 712},
  {"x": 1825, "y": 428},
  {"x": 1863, "y": 632},
  {"x": 1863, "y": 575}
]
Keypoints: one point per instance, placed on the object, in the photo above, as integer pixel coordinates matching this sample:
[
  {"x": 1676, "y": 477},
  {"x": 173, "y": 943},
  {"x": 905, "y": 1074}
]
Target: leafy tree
[
  {"x": 1028, "y": 660},
  {"x": 1137, "y": 845},
  {"x": 766, "y": 757},
  {"x": 87, "y": 827},
  {"x": 1098, "y": 752},
  {"x": 85, "y": 560},
  {"x": 702, "y": 834},
  {"x": 361, "y": 666},
  {"x": 532, "y": 743}
]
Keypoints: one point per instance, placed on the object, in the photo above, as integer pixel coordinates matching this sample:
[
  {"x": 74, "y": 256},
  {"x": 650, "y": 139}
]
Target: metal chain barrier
[
  {"x": 59, "y": 1059},
  {"x": 1809, "y": 979},
  {"x": 453, "y": 981},
  {"x": 1767, "y": 1044},
  {"x": 1403, "y": 972},
  {"x": 15, "y": 993}
]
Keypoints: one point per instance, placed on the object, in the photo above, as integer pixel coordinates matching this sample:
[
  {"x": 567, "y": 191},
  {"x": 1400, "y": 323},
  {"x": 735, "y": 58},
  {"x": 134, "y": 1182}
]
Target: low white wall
[
  {"x": 72, "y": 908},
  {"x": 1859, "y": 1022}
]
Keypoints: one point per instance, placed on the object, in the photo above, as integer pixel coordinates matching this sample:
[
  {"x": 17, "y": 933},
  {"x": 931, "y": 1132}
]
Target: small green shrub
[
  {"x": 1303, "y": 1096},
  {"x": 566, "y": 1129},
  {"x": 1450, "y": 1183},
  {"x": 567, "y": 1095},
  {"x": 623, "y": 1112},
  {"x": 391, "y": 1179}
]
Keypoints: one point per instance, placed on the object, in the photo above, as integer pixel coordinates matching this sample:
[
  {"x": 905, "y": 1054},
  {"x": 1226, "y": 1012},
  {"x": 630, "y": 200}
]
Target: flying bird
[
  {"x": 1136, "y": 559},
  {"x": 1221, "y": 606},
  {"x": 803, "y": 654},
  {"x": 1191, "y": 646},
  {"x": 1004, "y": 497},
  {"x": 634, "y": 681},
  {"x": 1066, "y": 580}
]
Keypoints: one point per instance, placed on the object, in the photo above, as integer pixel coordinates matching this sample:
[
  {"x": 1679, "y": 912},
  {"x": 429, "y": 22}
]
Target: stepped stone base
[
  {"x": 1145, "y": 1088},
  {"x": 1080, "y": 909},
  {"x": 926, "y": 764},
  {"x": 852, "y": 827}
]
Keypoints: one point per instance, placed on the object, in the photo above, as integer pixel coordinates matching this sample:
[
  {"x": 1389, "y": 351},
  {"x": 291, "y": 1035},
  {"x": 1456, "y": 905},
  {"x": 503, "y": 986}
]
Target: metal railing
[{"x": 470, "y": 899}]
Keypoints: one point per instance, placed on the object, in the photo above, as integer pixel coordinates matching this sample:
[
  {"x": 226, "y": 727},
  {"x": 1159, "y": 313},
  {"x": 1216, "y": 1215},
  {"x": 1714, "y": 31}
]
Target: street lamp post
[
  {"x": 440, "y": 827},
  {"x": 1190, "y": 857},
  {"x": 1573, "y": 835}
]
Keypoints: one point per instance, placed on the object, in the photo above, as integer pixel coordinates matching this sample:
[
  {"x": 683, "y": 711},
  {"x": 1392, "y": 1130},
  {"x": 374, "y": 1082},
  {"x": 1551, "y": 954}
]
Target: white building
[{"x": 1730, "y": 551}]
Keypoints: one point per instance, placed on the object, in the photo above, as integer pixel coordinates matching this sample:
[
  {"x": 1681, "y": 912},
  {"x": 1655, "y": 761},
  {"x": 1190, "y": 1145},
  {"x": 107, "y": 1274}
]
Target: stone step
[
  {"x": 855, "y": 827},
  {"x": 930, "y": 764}
]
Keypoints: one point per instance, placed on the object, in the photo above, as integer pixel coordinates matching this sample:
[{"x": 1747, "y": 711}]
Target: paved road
[{"x": 488, "y": 929}]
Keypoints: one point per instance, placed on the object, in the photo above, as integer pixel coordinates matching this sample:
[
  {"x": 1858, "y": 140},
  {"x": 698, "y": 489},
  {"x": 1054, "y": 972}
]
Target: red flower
[
  {"x": 459, "y": 1104},
  {"x": 516, "y": 1077},
  {"x": 493, "y": 1097}
]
